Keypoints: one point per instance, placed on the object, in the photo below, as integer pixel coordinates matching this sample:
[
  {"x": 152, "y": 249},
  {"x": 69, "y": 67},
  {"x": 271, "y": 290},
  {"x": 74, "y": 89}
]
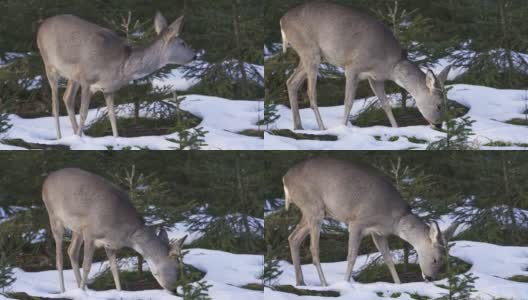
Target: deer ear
[
  {"x": 434, "y": 232},
  {"x": 176, "y": 27},
  {"x": 176, "y": 247},
  {"x": 430, "y": 80},
  {"x": 442, "y": 77},
  {"x": 450, "y": 231},
  {"x": 180, "y": 242},
  {"x": 160, "y": 22},
  {"x": 164, "y": 236}
]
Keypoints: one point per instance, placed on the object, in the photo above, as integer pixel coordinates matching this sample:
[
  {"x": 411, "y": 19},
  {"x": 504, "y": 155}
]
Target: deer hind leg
[
  {"x": 113, "y": 266},
  {"x": 73, "y": 252},
  {"x": 350, "y": 93},
  {"x": 378, "y": 87},
  {"x": 354, "y": 240},
  {"x": 382, "y": 244},
  {"x": 58, "y": 234},
  {"x": 69, "y": 101},
  {"x": 294, "y": 83},
  {"x": 53, "y": 78},
  {"x": 109, "y": 98},
  {"x": 89, "y": 248},
  {"x": 315, "y": 232},
  {"x": 295, "y": 240},
  {"x": 86, "y": 94},
  {"x": 311, "y": 67}
]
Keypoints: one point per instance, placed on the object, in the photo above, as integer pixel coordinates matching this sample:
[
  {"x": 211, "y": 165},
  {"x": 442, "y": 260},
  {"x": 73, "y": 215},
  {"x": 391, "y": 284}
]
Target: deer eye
[{"x": 434, "y": 260}]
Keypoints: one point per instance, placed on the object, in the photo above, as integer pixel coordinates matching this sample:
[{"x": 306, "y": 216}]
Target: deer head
[
  {"x": 165, "y": 266},
  {"x": 431, "y": 252},
  {"x": 432, "y": 101},
  {"x": 176, "y": 50}
]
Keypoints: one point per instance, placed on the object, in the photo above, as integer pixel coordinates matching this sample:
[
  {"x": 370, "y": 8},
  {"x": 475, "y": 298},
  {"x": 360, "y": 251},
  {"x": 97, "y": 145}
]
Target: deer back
[
  {"x": 82, "y": 201},
  {"x": 342, "y": 36},
  {"x": 345, "y": 191}
]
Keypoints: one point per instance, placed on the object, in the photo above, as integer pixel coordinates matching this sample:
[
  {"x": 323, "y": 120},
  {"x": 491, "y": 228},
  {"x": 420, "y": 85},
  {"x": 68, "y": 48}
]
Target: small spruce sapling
[
  {"x": 188, "y": 139},
  {"x": 192, "y": 290},
  {"x": 457, "y": 132},
  {"x": 271, "y": 270},
  {"x": 4, "y": 120},
  {"x": 460, "y": 287},
  {"x": 270, "y": 114}
]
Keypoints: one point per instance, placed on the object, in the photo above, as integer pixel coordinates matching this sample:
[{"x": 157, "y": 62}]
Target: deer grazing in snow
[
  {"x": 94, "y": 59},
  {"x": 101, "y": 215},
  {"x": 364, "y": 48},
  {"x": 368, "y": 203}
]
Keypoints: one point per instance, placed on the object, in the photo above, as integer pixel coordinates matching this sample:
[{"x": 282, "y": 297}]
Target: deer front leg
[
  {"x": 315, "y": 232},
  {"x": 378, "y": 88},
  {"x": 86, "y": 94},
  {"x": 73, "y": 252},
  {"x": 354, "y": 240},
  {"x": 113, "y": 266},
  {"x": 295, "y": 240},
  {"x": 350, "y": 93},
  {"x": 293, "y": 84},
  {"x": 89, "y": 249},
  {"x": 109, "y": 98},
  {"x": 382, "y": 244}
]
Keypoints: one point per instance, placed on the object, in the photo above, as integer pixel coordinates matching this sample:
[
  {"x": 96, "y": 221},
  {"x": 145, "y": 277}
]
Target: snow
[
  {"x": 489, "y": 107},
  {"x": 175, "y": 80},
  {"x": 222, "y": 118},
  {"x": 226, "y": 272},
  {"x": 491, "y": 263}
]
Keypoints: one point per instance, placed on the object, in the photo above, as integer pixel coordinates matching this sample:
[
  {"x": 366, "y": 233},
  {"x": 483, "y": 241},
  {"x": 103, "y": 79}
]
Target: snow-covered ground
[
  {"x": 226, "y": 272},
  {"x": 488, "y": 107},
  {"x": 222, "y": 118},
  {"x": 492, "y": 264}
]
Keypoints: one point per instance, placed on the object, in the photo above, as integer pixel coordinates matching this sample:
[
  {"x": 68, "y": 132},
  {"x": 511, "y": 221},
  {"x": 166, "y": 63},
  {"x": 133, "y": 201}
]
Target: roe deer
[
  {"x": 365, "y": 48},
  {"x": 101, "y": 215},
  {"x": 368, "y": 203},
  {"x": 97, "y": 59}
]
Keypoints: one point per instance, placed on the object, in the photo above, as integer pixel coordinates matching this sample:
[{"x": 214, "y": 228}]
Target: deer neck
[
  {"x": 413, "y": 230},
  {"x": 407, "y": 75},
  {"x": 144, "y": 60},
  {"x": 146, "y": 243}
]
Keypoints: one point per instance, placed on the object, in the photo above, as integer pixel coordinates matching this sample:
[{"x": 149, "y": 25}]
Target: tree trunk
[
  {"x": 242, "y": 199},
  {"x": 240, "y": 62},
  {"x": 140, "y": 264},
  {"x": 404, "y": 99},
  {"x": 406, "y": 253},
  {"x": 508, "y": 193},
  {"x": 506, "y": 39}
]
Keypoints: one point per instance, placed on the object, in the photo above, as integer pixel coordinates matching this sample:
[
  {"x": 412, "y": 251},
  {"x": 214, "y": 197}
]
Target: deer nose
[
  {"x": 195, "y": 57},
  {"x": 428, "y": 278},
  {"x": 438, "y": 126}
]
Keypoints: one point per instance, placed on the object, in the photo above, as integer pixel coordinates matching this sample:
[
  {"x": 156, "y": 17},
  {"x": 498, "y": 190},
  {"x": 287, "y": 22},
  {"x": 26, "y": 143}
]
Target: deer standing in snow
[
  {"x": 368, "y": 203},
  {"x": 101, "y": 215},
  {"x": 364, "y": 48},
  {"x": 94, "y": 59}
]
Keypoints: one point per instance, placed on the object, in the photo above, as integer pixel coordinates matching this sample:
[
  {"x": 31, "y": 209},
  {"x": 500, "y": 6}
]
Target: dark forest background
[
  {"x": 484, "y": 36},
  {"x": 227, "y": 34},
  {"x": 486, "y": 191}
]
